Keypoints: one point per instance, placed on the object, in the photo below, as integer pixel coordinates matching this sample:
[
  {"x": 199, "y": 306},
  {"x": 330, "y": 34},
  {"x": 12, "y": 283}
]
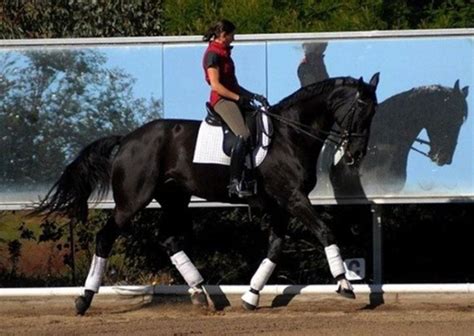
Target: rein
[
  {"x": 309, "y": 131},
  {"x": 423, "y": 142}
]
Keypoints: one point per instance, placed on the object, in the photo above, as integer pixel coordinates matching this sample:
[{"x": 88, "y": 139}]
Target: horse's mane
[
  {"x": 425, "y": 92},
  {"x": 309, "y": 91}
]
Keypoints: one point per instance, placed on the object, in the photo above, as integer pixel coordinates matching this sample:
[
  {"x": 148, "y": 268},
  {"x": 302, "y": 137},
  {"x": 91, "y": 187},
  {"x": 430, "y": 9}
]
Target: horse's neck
[
  {"x": 398, "y": 122},
  {"x": 395, "y": 127},
  {"x": 304, "y": 147}
]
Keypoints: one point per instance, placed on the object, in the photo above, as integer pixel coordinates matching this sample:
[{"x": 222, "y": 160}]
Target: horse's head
[
  {"x": 353, "y": 107},
  {"x": 448, "y": 112}
]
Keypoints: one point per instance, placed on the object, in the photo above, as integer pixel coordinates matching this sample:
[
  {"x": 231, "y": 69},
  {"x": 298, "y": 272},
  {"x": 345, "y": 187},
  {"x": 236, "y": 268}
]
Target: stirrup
[{"x": 235, "y": 188}]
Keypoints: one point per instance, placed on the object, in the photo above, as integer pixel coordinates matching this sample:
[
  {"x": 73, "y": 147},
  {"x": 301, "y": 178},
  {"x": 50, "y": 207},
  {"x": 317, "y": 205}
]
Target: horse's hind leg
[
  {"x": 105, "y": 239},
  {"x": 175, "y": 229},
  {"x": 124, "y": 211},
  {"x": 278, "y": 226}
]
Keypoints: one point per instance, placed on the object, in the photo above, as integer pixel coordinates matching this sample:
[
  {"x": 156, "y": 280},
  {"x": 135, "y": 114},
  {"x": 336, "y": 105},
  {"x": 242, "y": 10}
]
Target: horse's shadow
[
  {"x": 288, "y": 295},
  {"x": 376, "y": 298}
]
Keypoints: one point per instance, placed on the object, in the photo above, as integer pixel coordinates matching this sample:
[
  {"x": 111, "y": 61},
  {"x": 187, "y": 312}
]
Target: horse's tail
[{"x": 89, "y": 172}]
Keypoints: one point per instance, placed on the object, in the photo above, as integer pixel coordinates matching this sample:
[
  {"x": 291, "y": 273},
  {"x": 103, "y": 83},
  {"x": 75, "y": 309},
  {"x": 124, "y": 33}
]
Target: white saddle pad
[{"x": 209, "y": 145}]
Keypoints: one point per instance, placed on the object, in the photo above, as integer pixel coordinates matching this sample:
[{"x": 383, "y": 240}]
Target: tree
[
  {"x": 193, "y": 17},
  {"x": 79, "y": 18},
  {"x": 54, "y": 103}
]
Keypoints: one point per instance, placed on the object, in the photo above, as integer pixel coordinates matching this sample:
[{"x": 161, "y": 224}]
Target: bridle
[
  {"x": 342, "y": 136},
  {"x": 423, "y": 142}
]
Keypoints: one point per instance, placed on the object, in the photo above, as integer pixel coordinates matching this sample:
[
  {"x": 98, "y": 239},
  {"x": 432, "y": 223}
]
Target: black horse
[
  {"x": 439, "y": 110},
  {"x": 155, "y": 162}
]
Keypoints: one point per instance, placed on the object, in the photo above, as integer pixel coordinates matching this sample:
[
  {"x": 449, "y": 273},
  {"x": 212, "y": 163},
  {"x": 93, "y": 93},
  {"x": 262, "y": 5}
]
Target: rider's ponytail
[{"x": 221, "y": 26}]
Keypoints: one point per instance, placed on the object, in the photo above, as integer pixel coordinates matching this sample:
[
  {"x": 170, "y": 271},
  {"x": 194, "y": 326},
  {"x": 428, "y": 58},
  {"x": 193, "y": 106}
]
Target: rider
[{"x": 228, "y": 98}]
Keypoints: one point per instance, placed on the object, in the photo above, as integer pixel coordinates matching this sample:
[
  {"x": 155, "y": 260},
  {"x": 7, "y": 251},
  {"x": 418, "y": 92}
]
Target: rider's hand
[{"x": 261, "y": 99}]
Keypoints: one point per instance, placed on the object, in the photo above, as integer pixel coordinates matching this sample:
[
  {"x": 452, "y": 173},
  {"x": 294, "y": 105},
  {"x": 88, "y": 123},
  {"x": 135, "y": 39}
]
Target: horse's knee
[{"x": 275, "y": 248}]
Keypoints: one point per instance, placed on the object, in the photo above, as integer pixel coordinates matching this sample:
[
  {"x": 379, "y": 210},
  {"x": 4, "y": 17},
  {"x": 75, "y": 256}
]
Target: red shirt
[{"x": 218, "y": 55}]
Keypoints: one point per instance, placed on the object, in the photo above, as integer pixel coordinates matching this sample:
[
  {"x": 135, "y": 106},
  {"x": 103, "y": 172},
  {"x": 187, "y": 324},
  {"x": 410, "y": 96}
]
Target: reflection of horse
[
  {"x": 155, "y": 162},
  {"x": 439, "y": 110}
]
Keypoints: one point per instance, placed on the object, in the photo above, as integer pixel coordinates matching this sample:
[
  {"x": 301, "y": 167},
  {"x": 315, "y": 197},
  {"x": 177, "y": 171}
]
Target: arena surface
[{"x": 401, "y": 314}]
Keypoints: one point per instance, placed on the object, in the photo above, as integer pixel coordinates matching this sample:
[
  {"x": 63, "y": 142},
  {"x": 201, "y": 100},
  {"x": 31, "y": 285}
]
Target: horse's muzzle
[{"x": 440, "y": 159}]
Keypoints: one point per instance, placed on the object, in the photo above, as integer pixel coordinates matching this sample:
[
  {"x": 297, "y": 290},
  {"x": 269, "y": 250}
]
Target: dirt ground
[{"x": 401, "y": 314}]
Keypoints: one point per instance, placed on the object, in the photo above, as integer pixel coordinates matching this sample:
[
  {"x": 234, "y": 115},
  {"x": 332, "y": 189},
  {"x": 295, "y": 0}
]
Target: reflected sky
[{"x": 144, "y": 63}]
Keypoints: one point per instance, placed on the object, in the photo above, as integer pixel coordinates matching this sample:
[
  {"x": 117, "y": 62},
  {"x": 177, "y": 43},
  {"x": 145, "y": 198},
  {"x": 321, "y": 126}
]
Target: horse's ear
[
  {"x": 465, "y": 91},
  {"x": 374, "y": 81},
  {"x": 456, "y": 85}
]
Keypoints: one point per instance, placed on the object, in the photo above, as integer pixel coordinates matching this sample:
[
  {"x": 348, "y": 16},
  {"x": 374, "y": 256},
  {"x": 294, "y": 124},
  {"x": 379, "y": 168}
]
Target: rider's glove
[{"x": 261, "y": 99}]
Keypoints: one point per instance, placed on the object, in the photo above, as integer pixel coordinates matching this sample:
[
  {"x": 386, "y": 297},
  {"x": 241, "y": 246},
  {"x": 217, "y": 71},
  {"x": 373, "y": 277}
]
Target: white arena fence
[{"x": 465, "y": 288}]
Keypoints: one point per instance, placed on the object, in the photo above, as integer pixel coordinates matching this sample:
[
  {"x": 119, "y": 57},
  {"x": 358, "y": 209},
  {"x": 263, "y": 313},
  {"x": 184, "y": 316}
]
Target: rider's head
[{"x": 222, "y": 32}]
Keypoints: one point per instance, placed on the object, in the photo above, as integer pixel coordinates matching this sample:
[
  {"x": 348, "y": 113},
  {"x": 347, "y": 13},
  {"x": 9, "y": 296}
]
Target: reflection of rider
[
  {"x": 312, "y": 68},
  {"x": 228, "y": 97}
]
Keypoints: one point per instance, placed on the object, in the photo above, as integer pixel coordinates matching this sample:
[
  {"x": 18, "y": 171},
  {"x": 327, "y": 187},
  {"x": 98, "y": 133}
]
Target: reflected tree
[{"x": 56, "y": 101}]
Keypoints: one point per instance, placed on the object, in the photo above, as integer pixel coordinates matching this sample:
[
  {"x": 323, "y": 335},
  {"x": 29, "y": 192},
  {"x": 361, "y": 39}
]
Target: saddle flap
[{"x": 212, "y": 118}]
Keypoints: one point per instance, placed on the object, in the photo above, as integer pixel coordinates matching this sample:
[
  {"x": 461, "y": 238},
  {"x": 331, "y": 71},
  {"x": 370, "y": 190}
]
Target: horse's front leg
[
  {"x": 278, "y": 225},
  {"x": 299, "y": 206},
  {"x": 188, "y": 271}
]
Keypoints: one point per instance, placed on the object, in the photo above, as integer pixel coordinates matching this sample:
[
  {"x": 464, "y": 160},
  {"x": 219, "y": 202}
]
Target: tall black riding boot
[{"x": 237, "y": 162}]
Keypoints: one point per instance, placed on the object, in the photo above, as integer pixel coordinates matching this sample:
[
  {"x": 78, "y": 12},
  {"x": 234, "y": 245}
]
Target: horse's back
[{"x": 148, "y": 153}]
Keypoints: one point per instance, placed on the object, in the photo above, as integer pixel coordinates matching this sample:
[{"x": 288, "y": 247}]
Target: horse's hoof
[
  {"x": 82, "y": 304},
  {"x": 250, "y": 299},
  {"x": 199, "y": 298},
  {"x": 347, "y": 293},
  {"x": 248, "y": 306}
]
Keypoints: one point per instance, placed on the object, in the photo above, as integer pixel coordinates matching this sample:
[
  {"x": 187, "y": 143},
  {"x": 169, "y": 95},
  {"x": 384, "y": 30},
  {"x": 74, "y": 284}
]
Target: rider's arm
[
  {"x": 213, "y": 73},
  {"x": 245, "y": 92}
]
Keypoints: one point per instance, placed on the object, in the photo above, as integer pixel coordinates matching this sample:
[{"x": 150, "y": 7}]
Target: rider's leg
[{"x": 231, "y": 114}]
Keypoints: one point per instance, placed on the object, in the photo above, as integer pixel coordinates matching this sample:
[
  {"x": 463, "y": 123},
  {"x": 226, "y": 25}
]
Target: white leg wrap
[
  {"x": 262, "y": 275},
  {"x": 259, "y": 279},
  {"x": 334, "y": 260},
  {"x": 187, "y": 269},
  {"x": 96, "y": 272}
]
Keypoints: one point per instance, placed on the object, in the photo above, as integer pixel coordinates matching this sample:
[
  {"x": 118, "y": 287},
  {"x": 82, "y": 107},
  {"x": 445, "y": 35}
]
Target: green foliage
[
  {"x": 102, "y": 18},
  {"x": 79, "y": 18},
  {"x": 193, "y": 17},
  {"x": 406, "y": 14}
]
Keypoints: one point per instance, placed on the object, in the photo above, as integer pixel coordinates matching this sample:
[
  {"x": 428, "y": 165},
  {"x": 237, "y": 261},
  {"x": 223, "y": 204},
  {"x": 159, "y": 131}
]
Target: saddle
[{"x": 253, "y": 120}]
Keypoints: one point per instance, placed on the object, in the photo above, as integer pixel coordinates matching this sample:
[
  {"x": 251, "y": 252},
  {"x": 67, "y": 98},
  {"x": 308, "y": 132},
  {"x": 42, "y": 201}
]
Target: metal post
[
  {"x": 377, "y": 243},
  {"x": 73, "y": 250}
]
